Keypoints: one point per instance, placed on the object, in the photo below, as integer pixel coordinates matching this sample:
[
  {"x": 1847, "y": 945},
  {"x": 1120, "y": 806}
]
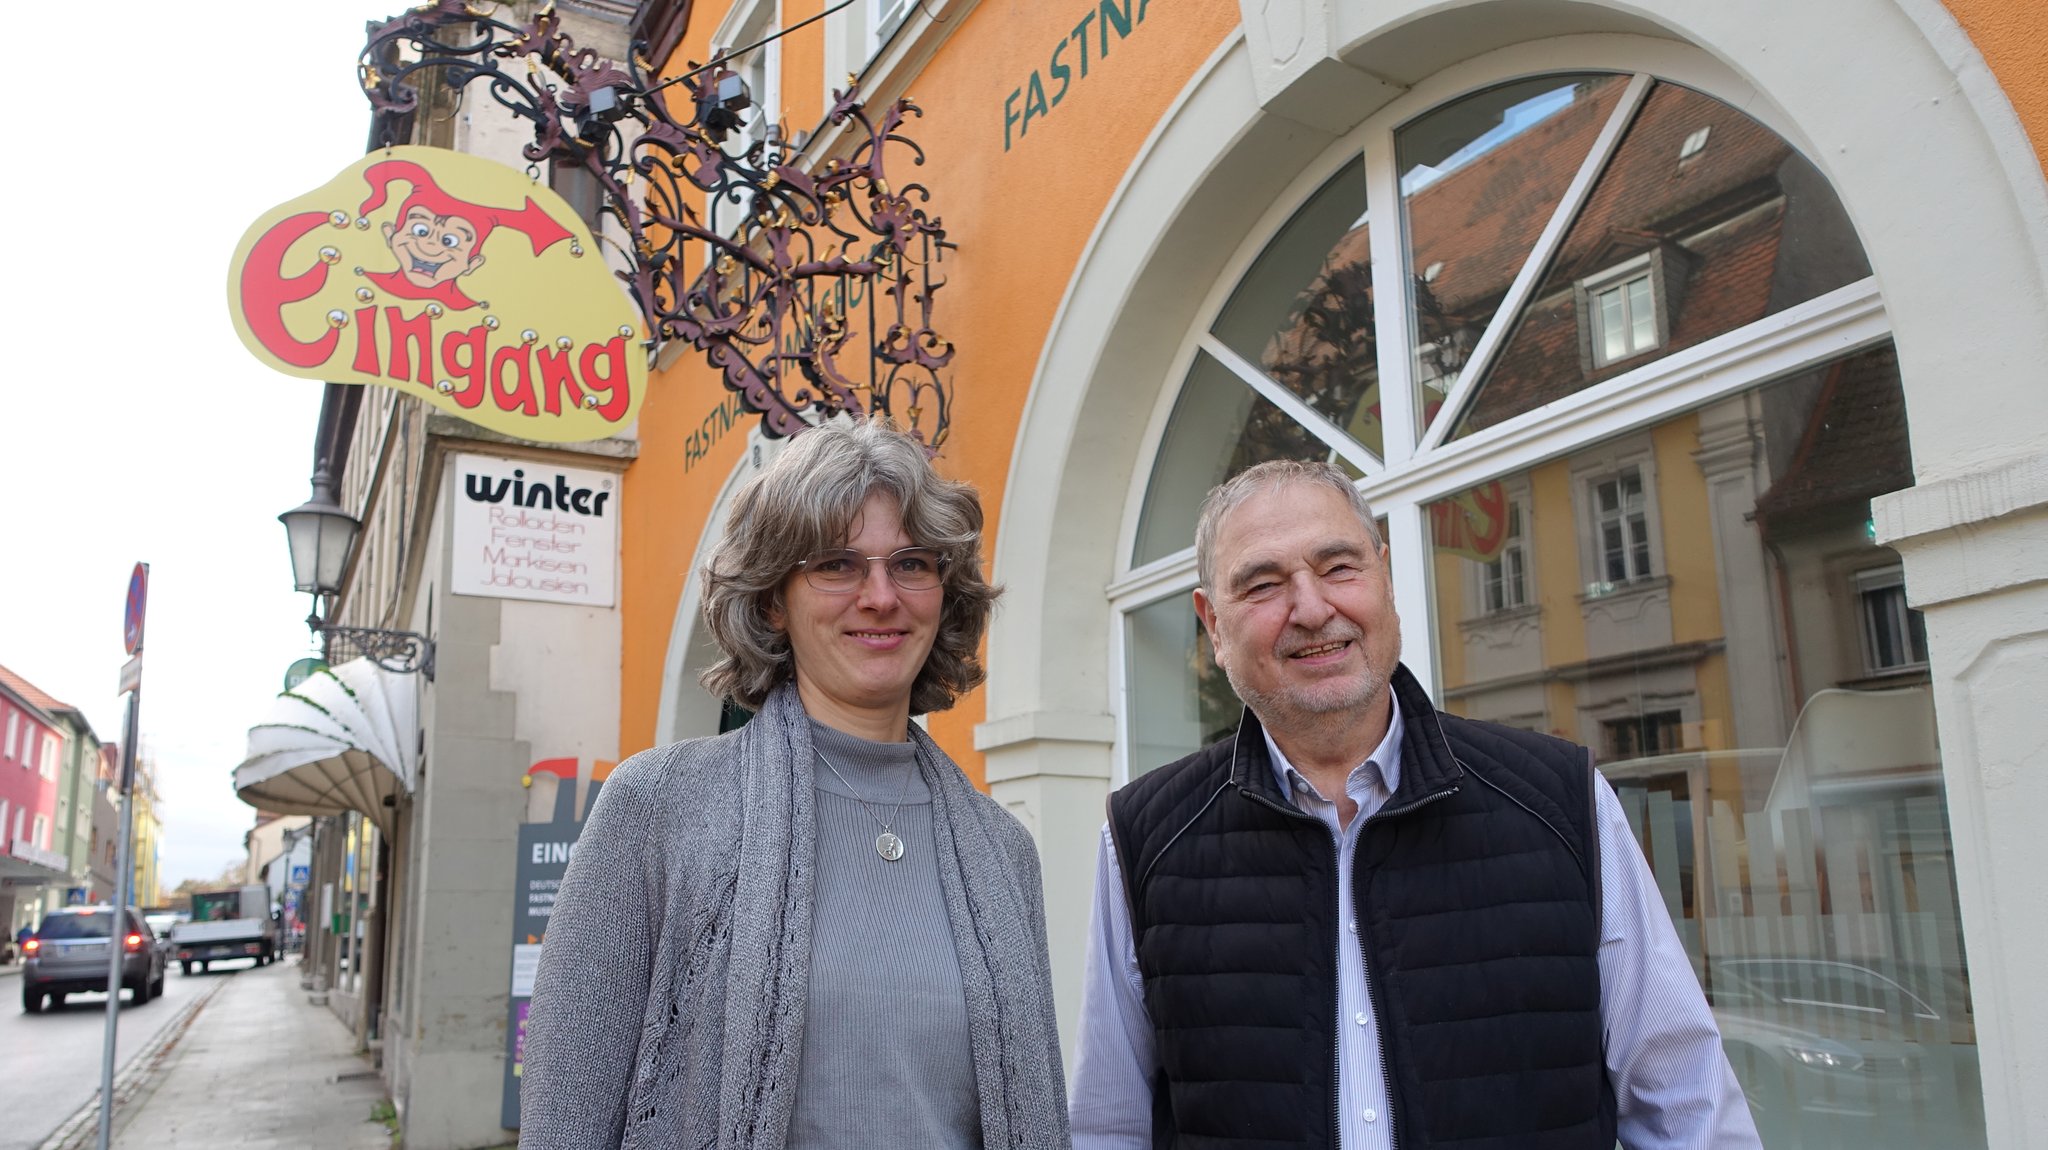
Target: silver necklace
[{"x": 887, "y": 844}]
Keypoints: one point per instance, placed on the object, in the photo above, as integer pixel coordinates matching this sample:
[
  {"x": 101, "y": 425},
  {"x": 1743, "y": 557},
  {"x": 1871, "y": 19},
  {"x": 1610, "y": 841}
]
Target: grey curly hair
[{"x": 806, "y": 501}]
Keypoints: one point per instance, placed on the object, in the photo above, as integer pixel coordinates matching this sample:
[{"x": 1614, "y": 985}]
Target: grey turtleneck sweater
[{"x": 886, "y": 1055}]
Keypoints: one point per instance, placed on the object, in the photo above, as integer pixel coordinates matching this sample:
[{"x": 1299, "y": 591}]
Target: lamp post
[{"x": 322, "y": 536}]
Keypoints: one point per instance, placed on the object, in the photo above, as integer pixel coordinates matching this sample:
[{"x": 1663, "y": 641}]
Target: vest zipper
[
  {"x": 1372, "y": 992},
  {"x": 1337, "y": 976},
  {"x": 1379, "y": 1007}
]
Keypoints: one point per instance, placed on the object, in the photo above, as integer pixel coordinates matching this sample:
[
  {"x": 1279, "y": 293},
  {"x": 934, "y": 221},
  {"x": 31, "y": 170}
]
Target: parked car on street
[
  {"x": 68, "y": 955},
  {"x": 1840, "y": 1055}
]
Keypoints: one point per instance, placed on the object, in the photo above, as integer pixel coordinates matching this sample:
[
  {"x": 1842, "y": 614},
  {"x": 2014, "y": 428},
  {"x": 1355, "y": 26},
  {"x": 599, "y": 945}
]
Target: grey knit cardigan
[{"x": 668, "y": 1011}]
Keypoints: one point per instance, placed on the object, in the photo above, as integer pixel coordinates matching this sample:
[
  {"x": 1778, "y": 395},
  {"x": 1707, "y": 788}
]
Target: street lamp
[{"x": 321, "y": 536}]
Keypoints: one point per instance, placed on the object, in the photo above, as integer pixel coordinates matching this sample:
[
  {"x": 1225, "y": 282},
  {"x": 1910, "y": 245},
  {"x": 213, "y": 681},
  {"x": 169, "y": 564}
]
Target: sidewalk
[{"x": 258, "y": 1067}]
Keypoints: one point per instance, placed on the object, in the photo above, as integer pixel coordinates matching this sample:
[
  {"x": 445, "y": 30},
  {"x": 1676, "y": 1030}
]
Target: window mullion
[
  {"x": 1393, "y": 309},
  {"x": 1409, "y": 553},
  {"x": 1496, "y": 334},
  {"x": 1311, "y": 420}
]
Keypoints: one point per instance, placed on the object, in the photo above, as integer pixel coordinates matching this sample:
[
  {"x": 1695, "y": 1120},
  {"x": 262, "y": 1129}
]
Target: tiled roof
[
  {"x": 1481, "y": 221},
  {"x": 31, "y": 694},
  {"x": 1731, "y": 287},
  {"x": 1854, "y": 446}
]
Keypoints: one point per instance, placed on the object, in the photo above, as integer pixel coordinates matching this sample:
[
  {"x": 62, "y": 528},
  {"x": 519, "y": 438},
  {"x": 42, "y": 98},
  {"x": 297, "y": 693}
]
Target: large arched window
[{"x": 1607, "y": 357}]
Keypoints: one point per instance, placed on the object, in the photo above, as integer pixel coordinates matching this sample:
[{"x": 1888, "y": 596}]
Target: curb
[{"x": 82, "y": 1128}]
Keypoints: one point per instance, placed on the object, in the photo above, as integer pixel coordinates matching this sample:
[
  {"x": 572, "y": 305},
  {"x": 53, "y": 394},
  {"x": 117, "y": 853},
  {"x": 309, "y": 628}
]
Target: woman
[{"x": 812, "y": 931}]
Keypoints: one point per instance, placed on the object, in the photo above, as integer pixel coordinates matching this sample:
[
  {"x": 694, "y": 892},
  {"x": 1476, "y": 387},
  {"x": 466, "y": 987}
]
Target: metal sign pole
[
  {"x": 118, "y": 929},
  {"x": 124, "y": 880}
]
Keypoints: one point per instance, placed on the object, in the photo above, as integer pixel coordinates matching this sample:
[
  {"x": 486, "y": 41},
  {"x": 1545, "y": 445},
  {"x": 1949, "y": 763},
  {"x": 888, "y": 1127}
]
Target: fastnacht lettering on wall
[
  {"x": 1069, "y": 56},
  {"x": 452, "y": 278}
]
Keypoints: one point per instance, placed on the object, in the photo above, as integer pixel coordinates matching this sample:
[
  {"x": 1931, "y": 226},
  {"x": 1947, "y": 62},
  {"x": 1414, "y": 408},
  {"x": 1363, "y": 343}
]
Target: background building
[
  {"x": 34, "y": 867},
  {"x": 146, "y": 879},
  {"x": 409, "y": 900}
]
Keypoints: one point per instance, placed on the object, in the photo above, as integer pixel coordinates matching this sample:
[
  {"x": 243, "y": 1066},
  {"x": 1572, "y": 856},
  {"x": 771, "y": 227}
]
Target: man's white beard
[{"x": 1286, "y": 710}]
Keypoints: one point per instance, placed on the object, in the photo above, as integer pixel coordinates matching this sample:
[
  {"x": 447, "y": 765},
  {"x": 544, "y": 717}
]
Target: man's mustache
[{"x": 1321, "y": 639}]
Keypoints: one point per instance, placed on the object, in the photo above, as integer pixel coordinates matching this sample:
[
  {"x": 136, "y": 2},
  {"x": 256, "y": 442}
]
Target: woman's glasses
[{"x": 838, "y": 570}]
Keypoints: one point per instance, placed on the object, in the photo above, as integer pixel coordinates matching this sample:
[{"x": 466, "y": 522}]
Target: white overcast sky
[{"x": 133, "y": 425}]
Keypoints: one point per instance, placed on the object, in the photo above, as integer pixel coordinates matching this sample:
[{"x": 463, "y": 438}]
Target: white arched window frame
[{"x": 1422, "y": 465}]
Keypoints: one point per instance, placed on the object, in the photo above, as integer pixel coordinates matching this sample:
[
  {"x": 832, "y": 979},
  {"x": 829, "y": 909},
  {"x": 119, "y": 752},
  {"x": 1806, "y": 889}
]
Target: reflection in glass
[
  {"x": 1303, "y": 312},
  {"x": 1704, "y": 220},
  {"x": 1219, "y": 427},
  {"x": 1480, "y": 178},
  {"x": 1700, "y": 601},
  {"x": 1180, "y": 700}
]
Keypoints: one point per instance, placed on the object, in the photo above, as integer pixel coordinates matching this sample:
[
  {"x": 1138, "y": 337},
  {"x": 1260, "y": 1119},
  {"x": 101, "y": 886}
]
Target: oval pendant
[{"x": 889, "y": 846}]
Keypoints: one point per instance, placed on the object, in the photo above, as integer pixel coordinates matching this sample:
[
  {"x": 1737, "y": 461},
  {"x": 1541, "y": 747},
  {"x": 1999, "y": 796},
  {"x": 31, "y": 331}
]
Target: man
[{"x": 1361, "y": 922}]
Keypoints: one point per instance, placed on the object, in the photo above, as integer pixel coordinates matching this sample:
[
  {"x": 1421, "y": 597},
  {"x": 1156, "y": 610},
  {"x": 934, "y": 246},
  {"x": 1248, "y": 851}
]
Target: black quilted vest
[{"x": 1478, "y": 906}]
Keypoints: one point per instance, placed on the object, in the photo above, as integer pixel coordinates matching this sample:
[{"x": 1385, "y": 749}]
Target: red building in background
[{"x": 31, "y": 755}]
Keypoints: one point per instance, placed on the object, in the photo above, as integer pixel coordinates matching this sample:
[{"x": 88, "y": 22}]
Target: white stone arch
[
  {"x": 687, "y": 711},
  {"x": 1893, "y": 104}
]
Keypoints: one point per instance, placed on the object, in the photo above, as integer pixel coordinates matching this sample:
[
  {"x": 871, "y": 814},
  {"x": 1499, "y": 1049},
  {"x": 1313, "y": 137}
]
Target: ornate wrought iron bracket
[
  {"x": 400, "y": 652},
  {"x": 786, "y": 278}
]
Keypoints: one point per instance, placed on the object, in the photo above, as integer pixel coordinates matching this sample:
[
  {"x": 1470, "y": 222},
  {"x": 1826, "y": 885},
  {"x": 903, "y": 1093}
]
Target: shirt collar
[{"x": 1383, "y": 766}]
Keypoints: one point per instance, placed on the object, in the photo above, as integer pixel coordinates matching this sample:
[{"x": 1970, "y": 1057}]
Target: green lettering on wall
[{"x": 1030, "y": 100}]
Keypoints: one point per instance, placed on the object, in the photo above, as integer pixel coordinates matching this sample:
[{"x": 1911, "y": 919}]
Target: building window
[
  {"x": 886, "y": 17},
  {"x": 760, "y": 68},
  {"x": 49, "y": 756},
  {"x": 1894, "y": 635},
  {"x": 1640, "y": 736},
  {"x": 1622, "y": 524},
  {"x": 1506, "y": 579},
  {"x": 13, "y": 720},
  {"x": 1621, "y": 312},
  {"x": 42, "y": 833}
]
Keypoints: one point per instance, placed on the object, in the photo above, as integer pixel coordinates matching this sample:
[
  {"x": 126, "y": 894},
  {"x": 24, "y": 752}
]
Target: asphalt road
[{"x": 50, "y": 1062}]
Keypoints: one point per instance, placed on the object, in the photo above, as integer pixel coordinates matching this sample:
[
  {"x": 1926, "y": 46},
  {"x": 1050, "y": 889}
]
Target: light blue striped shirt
[{"x": 1673, "y": 1085}]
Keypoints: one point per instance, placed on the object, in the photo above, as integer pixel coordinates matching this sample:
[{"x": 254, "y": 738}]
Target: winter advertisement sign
[
  {"x": 454, "y": 279},
  {"x": 527, "y": 530}
]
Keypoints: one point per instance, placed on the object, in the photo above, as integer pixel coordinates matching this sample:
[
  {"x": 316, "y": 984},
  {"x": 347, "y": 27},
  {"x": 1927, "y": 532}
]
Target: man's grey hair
[
  {"x": 806, "y": 501},
  {"x": 1225, "y": 498}
]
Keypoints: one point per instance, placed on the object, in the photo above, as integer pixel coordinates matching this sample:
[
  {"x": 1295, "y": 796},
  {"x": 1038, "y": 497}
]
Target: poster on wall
[
  {"x": 454, "y": 279},
  {"x": 544, "y": 852},
  {"x": 527, "y": 530}
]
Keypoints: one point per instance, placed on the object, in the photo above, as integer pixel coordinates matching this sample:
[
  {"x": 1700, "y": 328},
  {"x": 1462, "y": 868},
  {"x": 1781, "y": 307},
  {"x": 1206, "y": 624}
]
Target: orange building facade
[{"x": 1690, "y": 353}]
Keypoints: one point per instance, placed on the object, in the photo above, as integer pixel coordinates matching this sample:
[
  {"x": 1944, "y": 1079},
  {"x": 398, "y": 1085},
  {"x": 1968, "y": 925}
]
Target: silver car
[{"x": 68, "y": 955}]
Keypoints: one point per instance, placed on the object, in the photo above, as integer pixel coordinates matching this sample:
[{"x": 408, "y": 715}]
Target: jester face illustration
[
  {"x": 433, "y": 250},
  {"x": 437, "y": 238}
]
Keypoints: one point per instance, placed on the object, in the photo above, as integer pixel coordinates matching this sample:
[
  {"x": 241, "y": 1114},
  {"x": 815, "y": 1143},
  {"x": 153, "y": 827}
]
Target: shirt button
[
  {"x": 1370, "y": 1115},
  {"x": 1360, "y": 1018},
  {"x": 1352, "y": 926}
]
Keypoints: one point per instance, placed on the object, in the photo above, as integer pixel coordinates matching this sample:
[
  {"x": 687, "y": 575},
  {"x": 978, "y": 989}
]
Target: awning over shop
[
  {"x": 24, "y": 864},
  {"x": 346, "y": 739}
]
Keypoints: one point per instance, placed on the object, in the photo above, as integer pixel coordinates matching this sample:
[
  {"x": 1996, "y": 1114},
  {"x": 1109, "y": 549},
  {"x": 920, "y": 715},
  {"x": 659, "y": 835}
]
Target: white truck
[{"x": 227, "y": 924}]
